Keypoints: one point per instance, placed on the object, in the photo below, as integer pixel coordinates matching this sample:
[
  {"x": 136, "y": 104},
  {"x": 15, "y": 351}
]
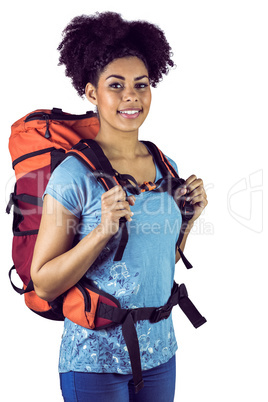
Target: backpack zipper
[
  {"x": 56, "y": 114},
  {"x": 47, "y": 134}
]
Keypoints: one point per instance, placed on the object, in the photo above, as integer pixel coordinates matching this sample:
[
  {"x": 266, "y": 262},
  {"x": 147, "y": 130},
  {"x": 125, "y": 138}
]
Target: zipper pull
[{"x": 47, "y": 134}]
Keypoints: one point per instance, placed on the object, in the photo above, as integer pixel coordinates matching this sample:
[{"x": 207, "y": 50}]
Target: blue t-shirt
[{"x": 143, "y": 278}]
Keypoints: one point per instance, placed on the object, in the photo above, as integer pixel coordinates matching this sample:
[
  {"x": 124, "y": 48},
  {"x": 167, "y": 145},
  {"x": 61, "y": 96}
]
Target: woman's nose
[{"x": 130, "y": 95}]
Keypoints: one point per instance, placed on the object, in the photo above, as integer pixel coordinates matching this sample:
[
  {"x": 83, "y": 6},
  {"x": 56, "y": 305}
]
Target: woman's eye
[
  {"x": 141, "y": 85},
  {"x": 116, "y": 85}
]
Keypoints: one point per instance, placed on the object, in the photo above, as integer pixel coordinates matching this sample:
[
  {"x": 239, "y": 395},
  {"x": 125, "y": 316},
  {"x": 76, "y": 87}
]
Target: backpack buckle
[
  {"x": 10, "y": 203},
  {"x": 161, "y": 313}
]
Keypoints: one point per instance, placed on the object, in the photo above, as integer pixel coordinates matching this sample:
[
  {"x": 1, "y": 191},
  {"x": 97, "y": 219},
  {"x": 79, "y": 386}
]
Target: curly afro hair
[{"x": 90, "y": 43}]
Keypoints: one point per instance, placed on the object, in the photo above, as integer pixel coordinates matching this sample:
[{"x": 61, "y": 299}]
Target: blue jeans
[{"x": 159, "y": 386}]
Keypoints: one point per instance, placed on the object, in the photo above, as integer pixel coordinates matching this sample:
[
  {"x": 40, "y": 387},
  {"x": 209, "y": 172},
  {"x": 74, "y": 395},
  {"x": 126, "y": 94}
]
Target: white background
[{"x": 210, "y": 116}]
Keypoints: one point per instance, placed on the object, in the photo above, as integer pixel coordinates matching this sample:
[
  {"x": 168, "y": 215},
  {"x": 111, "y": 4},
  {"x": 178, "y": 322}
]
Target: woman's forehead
[{"x": 126, "y": 67}]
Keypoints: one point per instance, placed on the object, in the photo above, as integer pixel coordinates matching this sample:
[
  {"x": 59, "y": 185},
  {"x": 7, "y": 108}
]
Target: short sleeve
[
  {"x": 174, "y": 165},
  {"x": 66, "y": 186}
]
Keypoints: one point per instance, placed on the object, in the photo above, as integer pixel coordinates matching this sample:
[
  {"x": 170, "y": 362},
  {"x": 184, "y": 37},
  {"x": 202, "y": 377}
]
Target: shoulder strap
[
  {"x": 172, "y": 184},
  {"x": 91, "y": 154},
  {"x": 162, "y": 162}
]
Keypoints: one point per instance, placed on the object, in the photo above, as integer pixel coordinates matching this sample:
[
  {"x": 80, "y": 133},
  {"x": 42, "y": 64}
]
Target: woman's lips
[{"x": 130, "y": 113}]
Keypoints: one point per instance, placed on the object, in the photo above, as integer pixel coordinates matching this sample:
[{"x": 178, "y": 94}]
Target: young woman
[{"x": 113, "y": 62}]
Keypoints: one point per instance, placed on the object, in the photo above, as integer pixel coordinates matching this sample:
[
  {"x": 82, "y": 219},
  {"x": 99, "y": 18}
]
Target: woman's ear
[{"x": 90, "y": 92}]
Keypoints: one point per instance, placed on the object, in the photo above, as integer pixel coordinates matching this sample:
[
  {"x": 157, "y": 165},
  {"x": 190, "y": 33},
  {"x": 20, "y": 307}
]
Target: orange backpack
[{"x": 38, "y": 143}]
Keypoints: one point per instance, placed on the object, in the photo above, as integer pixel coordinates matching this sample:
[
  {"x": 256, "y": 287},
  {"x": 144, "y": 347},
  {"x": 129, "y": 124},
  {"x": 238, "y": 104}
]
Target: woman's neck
[
  {"x": 117, "y": 145},
  {"x": 127, "y": 154}
]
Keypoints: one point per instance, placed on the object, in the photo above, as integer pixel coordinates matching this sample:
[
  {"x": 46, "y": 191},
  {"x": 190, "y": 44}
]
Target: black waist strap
[{"x": 128, "y": 318}]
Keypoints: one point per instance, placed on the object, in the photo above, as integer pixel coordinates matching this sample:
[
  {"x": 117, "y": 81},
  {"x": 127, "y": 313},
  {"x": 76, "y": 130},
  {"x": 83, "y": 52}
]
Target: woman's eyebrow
[
  {"x": 142, "y": 76},
  {"x": 120, "y": 77}
]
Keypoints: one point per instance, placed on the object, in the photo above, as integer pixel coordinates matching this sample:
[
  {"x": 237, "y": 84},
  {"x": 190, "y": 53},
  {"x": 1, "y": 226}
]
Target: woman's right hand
[
  {"x": 115, "y": 205},
  {"x": 56, "y": 264}
]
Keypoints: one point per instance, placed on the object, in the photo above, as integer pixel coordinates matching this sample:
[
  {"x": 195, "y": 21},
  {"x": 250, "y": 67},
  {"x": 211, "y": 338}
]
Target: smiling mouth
[{"x": 130, "y": 113}]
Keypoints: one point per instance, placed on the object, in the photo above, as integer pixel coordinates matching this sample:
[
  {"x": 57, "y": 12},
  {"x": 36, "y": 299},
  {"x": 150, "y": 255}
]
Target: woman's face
[{"x": 123, "y": 95}]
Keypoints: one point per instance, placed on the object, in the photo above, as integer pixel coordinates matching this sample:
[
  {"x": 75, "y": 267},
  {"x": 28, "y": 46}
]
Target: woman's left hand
[{"x": 196, "y": 195}]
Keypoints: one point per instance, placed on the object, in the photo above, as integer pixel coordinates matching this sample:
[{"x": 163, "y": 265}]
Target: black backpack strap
[
  {"x": 128, "y": 318},
  {"x": 92, "y": 155},
  {"x": 165, "y": 167},
  {"x": 171, "y": 183},
  {"x": 20, "y": 291}
]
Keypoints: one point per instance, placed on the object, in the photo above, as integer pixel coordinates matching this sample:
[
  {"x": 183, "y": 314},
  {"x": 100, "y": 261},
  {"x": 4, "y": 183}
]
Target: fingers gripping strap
[
  {"x": 93, "y": 156},
  {"x": 171, "y": 184}
]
